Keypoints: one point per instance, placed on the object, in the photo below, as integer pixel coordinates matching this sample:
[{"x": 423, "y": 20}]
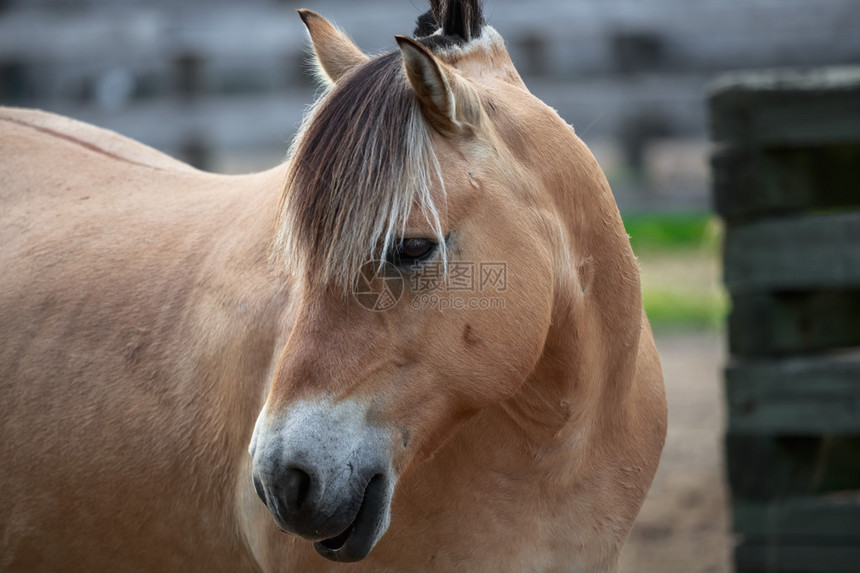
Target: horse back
[{"x": 52, "y": 128}]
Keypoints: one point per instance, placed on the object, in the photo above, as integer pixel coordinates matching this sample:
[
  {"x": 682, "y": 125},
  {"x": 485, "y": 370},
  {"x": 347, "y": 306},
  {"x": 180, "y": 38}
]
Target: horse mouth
[{"x": 356, "y": 541}]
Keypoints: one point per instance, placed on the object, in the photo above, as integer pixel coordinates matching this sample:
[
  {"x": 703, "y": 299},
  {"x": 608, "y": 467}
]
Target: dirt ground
[{"x": 683, "y": 526}]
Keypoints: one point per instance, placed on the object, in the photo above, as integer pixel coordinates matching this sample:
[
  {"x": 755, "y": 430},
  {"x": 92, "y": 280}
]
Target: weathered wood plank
[
  {"x": 832, "y": 520},
  {"x": 794, "y": 253},
  {"x": 788, "y": 322},
  {"x": 761, "y": 467},
  {"x": 803, "y": 396},
  {"x": 790, "y": 146},
  {"x": 795, "y": 557},
  {"x": 779, "y": 107},
  {"x": 751, "y": 183}
]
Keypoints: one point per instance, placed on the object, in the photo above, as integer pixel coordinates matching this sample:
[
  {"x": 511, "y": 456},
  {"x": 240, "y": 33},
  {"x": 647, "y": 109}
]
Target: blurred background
[{"x": 223, "y": 85}]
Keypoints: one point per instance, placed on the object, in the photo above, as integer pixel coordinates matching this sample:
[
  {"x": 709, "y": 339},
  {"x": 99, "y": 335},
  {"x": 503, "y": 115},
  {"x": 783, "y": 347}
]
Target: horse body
[
  {"x": 145, "y": 329},
  {"x": 122, "y": 298}
]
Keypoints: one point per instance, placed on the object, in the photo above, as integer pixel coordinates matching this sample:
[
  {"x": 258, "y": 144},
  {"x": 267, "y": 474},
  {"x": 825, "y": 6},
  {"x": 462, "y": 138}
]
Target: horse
[{"x": 192, "y": 377}]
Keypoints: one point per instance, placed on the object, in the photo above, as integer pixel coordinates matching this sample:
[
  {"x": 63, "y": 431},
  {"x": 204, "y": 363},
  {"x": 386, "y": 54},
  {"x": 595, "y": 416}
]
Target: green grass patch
[
  {"x": 685, "y": 309},
  {"x": 667, "y": 231},
  {"x": 679, "y": 254}
]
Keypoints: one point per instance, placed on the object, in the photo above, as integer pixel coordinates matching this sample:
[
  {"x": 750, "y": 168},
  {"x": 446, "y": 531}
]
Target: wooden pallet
[{"x": 787, "y": 185}]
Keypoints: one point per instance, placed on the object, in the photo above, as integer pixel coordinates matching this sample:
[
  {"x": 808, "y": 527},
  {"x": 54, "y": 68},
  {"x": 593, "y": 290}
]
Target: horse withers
[{"x": 417, "y": 345}]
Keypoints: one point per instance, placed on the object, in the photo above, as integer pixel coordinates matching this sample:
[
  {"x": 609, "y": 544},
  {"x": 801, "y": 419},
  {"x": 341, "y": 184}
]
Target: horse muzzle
[{"x": 325, "y": 475}]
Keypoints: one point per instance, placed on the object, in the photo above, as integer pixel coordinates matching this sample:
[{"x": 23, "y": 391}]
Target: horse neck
[{"x": 581, "y": 389}]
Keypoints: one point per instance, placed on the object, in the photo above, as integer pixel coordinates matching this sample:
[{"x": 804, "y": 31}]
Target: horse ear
[
  {"x": 444, "y": 96},
  {"x": 335, "y": 52}
]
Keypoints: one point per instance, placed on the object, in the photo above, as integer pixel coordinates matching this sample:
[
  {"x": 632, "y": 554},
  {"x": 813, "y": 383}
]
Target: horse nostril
[{"x": 297, "y": 484}]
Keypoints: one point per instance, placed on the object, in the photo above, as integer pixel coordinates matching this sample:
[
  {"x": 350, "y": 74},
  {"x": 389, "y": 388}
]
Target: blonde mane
[{"x": 361, "y": 162}]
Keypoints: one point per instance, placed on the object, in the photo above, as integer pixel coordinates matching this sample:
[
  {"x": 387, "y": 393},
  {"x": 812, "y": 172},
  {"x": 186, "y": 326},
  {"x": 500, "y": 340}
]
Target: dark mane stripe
[
  {"x": 460, "y": 20},
  {"x": 426, "y": 25}
]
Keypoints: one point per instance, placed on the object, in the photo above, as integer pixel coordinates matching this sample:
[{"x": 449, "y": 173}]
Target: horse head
[{"x": 430, "y": 162}]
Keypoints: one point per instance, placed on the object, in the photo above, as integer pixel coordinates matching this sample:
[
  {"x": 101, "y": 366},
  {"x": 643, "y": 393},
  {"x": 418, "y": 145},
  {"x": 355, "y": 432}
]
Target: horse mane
[
  {"x": 363, "y": 159},
  {"x": 457, "y": 22}
]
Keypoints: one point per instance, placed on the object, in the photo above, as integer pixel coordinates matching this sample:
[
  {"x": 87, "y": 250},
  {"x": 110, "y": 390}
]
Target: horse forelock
[
  {"x": 363, "y": 159},
  {"x": 360, "y": 163}
]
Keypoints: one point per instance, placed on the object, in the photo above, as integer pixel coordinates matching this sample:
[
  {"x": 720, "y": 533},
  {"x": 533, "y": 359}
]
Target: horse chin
[{"x": 370, "y": 523}]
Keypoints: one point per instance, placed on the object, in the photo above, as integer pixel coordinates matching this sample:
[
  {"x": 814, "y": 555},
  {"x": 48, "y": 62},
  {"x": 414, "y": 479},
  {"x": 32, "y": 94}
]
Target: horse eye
[{"x": 409, "y": 251}]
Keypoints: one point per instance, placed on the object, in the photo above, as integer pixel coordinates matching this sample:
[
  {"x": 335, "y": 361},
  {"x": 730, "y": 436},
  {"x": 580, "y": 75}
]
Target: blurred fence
[
  {"x": 786, "y": 184},
  {"x": 221, "y": 83}
]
